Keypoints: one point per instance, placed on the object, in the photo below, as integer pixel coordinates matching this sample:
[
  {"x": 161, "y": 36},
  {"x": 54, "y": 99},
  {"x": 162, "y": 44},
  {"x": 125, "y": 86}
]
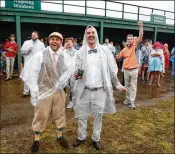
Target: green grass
[{"x": 145, "y": 130}]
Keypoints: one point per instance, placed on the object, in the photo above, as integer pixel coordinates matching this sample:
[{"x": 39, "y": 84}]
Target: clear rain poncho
[
  {"x": 30, "y": 47},
  {"x": 41, "y": 77},
  {"x": 109, "y": 73}
]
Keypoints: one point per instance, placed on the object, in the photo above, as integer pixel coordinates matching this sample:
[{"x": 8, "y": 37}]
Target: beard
[
  {"x": 54, "y": 47},
  {"x": 34, "y": 39}
]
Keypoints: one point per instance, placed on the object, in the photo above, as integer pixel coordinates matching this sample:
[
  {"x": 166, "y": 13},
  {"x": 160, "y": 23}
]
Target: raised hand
[{"x": 140, "y": 24}]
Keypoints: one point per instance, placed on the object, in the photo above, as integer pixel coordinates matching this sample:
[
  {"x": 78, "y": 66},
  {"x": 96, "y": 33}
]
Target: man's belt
[
  {"x": 93, "y": 89},
  {"x": 131, "y": 68}
]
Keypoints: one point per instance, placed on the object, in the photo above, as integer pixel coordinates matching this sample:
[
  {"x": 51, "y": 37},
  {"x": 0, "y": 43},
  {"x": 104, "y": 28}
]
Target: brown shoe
[
  {"x": 78, "y": 143},
  {"x": 97, "y": 145},
  {"x": 63, "y": 142}
]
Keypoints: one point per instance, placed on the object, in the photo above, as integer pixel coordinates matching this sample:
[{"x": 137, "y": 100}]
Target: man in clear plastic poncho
[
  {"x": 46, "y": 71},
  {"x": 28, "y": 49},
  {"x": 93, "y": 87}
]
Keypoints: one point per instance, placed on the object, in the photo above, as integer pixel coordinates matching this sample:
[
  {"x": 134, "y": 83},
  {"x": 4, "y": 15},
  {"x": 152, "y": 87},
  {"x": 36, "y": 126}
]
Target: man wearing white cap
[
  {"x": 28, "y": 49},
  {"x": 46, "y": 74},
  {"x": 93, "y": 88}
]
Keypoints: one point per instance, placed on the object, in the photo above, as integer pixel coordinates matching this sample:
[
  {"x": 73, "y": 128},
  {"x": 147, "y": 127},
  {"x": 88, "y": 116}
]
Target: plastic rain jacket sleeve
[{"x": 43, "y": 80}]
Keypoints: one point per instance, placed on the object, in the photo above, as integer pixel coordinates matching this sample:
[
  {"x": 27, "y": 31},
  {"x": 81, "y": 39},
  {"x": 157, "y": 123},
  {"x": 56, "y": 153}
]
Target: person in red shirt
[{"x": 11, "y": 48}]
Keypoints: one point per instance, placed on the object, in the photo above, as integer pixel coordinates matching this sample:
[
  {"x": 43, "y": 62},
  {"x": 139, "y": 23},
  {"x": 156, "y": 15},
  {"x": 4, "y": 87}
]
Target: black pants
[{"x": 123, "y": 81}]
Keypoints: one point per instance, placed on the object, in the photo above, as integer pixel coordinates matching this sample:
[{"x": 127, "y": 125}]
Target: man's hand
[
  {"x": 122, "y": 88},
  {"x": 35, "y": 95},
  {"x": 9, "y": 49},
  {"x": 117, "y": 57},
  {"x": 76, "y": 75},
  {"x": 140, "y": 24},
  {"x": 65, "y": 45}
]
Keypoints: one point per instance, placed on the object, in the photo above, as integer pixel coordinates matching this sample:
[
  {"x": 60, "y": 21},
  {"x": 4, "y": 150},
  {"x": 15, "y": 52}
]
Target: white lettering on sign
[
  {"x": 25, "y": 4},
  {"x": 158, "y": 19}
]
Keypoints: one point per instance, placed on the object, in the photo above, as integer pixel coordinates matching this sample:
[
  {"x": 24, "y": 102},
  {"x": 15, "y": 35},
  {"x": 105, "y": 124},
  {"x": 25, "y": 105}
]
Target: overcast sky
[{"x": 164, "y": 5}]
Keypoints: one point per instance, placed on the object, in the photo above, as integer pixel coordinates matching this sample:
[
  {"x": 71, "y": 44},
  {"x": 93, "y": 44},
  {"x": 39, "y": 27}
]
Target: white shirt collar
[{"x": 88, "y": 48}]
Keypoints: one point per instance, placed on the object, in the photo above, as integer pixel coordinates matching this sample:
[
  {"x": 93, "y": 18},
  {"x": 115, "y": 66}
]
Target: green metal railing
[{"x": 105, "y": 9}]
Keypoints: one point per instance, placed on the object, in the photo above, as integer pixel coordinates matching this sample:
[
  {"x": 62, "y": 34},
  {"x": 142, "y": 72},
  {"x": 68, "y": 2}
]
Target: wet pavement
[{"x": 17, "y": 112}]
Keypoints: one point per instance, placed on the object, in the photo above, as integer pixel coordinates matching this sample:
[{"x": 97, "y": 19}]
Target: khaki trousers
[
  {"x": 131, "y": 83},
  {"x": 54, "y": 106},
  {"x": 10, "y": 65}
]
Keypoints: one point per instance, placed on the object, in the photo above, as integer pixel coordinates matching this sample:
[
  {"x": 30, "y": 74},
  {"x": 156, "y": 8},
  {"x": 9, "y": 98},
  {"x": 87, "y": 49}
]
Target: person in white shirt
[
  {"x": 69, "y": 45},
  {"x": 109, "y": 46},
  {"x": 93, "y": 88},
  {"x": 28, "y": 49},
  {"x": 46, "y": 74}
]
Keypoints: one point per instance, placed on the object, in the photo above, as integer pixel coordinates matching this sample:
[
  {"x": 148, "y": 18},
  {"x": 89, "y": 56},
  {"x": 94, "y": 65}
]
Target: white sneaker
[
  {"x": 126, "y": 102},
  {"x": 132, "y": 106},
  {"x": 24, "y": 93},
  {"x": 7, "y": 79},
  {"x": 70, "y": 105}
]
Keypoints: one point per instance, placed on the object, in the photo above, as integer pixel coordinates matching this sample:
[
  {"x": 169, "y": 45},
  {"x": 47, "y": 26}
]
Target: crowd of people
[
  {"x": 146, "y": 54},
  {"x": 90, "y": 70},
  {"x": 143, "y": 54}
]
